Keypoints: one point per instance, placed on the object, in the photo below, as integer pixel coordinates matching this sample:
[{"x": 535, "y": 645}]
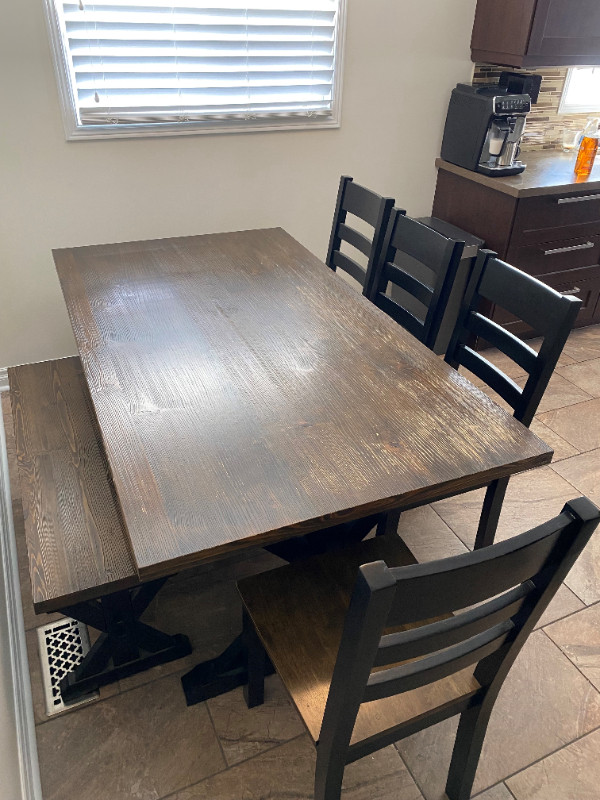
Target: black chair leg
[
  {"x": 490, "y": 514},
  {"x": 328, "y": 776},
  {"x": 388, "y": 524},
  {"x": 467, "y": 749},
  {"x": 254, "y": 690}
]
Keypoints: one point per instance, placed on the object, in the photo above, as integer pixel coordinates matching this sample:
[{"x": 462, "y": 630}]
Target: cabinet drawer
[
  {"x": 538, "y": 219},
  {"x": 545, "y": 257},
  {"x": 581, "y": 283}
]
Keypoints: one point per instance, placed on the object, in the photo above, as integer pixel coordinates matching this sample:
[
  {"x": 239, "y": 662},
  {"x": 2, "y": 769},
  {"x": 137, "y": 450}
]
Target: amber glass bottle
[{"x": 587, "y": 153}]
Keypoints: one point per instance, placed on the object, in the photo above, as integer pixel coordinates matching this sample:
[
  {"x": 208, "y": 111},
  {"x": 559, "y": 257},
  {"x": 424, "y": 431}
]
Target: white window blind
[{"x": 151, "y": 62}]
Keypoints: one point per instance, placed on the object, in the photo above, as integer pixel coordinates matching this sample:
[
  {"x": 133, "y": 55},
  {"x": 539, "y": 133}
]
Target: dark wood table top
[{"x": 245, "y": 393}]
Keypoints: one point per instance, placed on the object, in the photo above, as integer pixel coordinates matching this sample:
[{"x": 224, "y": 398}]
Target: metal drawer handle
[
  {"x": 580, "y": 199},
  {"x": 570, "y": 249},
  {"x": 574, "y": 290}
]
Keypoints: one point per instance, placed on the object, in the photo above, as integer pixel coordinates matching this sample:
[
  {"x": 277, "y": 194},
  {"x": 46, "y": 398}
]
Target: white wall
[
  {"x": 10, "y": 780},
  {"x": 402, "y": 59}
]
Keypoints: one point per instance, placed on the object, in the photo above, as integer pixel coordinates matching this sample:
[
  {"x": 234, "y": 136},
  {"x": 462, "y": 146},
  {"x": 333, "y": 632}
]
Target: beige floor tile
[
  {"x": 572, "y": 773},
  {"x": 562, "y": 449},
  {"x": 560, "y": 393},
  {"x": 141, "y": 744},
  {"x": 427, "y": 535},
  {"x": 203, "y": 604},
  {"x": 579, "y": 638},
  {"x": 532, "y": 497},
  {"x": 584, "y": 577},
  {"x": 498, "y": 792},
  {"x": 564, "y": 603},
  {"x": 544, "y": 704},
  {"x": 209, "y": 613},
  {"x": 504, "y": 363},
  {"x": 578, "y": 424},
  {"x": 583, "y": 344},
  {"x": 583, "y": 472},
  {"x": 288, "y": 772},
  {"x": 586, "y": 375},
  {"x": 244, "y": 732}
]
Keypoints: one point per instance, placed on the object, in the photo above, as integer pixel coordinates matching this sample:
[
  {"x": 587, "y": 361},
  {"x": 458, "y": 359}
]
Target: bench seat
[{"x": 77, "y": 546}]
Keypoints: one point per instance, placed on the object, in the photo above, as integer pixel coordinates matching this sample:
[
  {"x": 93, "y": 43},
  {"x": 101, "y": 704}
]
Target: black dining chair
[
  {"x": 373, "y": 647},
  {"x": 368, "y": 206},
  {"x": 420, "y": 264},
  {"x": 547, "y": 313}
]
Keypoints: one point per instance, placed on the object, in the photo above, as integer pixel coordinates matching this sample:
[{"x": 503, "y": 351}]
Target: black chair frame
[
  {"x": 548, "y": 313},
  {"x": 372, "y": 208},
  {"x": 509, "y": 584},
  {"x": 438, "y": 253}
]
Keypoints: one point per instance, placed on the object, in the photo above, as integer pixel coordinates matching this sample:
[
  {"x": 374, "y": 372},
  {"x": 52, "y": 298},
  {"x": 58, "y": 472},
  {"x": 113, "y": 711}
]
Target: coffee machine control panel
[{"x": 512, "y": 104}]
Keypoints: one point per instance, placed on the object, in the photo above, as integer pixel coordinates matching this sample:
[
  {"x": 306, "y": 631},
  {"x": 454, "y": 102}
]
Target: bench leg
[{"x": 125, "y": 645}]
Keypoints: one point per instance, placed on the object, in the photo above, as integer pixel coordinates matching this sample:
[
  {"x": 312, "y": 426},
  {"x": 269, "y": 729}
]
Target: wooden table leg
[
  {"x": 125, "y": 646},
  {"x": 228, "y": 670}
]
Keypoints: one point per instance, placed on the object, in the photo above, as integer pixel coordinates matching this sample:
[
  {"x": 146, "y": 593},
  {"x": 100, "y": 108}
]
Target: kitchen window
[
  {"x": 582, "y": 91},
  {"x": 150, "y": 67}
]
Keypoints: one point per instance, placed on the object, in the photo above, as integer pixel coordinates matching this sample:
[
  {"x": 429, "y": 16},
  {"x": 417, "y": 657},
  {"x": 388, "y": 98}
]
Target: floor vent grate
[{"x": 62, "y": 646}]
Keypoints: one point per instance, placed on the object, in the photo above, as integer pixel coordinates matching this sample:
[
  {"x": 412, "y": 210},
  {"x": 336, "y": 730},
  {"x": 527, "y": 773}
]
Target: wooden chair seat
[
  {"x": 413, "y": 644},
  {"x": 303, "y": 640},
  {"x": 77, "y": 546}
]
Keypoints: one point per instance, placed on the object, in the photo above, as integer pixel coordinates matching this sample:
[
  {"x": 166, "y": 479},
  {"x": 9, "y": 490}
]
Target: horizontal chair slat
[
  {"x": 362, "y": 203},
  {"x": 410, "y": 284},
  {"x": 504, "y": 340},
  {"x": 354, "y": 238},
  {"x": 495, "y": 379},
  {"x": 399, "y": 314},
  {"x": 434, "y": 668},
  {"x": 349, "y": 265},
  {"x": 426, "y": 639}
]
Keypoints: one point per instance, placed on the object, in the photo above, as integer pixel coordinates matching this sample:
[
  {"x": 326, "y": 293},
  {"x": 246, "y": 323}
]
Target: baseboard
[
  {"x": 21, "y": 689},
  {"x": 3, "y": 379}
]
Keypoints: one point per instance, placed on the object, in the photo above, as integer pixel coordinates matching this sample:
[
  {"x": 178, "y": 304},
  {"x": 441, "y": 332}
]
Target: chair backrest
[
  {"x": 368, "y": 206},
  {"x": 550, "y": 314},
  {"x": 504, "y": 588},
  {"x": 420, "y": 300}
]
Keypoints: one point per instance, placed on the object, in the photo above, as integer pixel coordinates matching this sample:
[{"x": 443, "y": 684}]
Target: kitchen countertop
[{"x": 547, "y": 172}]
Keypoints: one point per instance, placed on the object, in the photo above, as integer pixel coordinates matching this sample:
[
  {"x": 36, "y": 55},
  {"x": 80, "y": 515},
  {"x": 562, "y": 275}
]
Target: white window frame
[
  {"x": 75, "y": 131},
  {"x": 571, "y": 108}
]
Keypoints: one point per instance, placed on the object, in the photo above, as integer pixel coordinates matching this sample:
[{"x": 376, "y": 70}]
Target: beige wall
[{"x": 402, "y": 58}]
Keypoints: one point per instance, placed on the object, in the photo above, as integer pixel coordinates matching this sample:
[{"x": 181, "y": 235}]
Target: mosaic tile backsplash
[{"x": 544, "y": 124}]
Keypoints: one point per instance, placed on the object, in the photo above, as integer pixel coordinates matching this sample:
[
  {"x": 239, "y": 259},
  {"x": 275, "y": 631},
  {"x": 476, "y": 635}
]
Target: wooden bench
[{"x": 79, "y": 556}]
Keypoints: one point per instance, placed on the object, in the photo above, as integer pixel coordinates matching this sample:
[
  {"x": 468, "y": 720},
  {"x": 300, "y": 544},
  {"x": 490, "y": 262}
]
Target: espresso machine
[{"x": 484, "y": 127}]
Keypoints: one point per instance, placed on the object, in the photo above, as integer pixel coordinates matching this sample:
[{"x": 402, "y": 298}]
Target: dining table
[{"x": 246, "y": 395}]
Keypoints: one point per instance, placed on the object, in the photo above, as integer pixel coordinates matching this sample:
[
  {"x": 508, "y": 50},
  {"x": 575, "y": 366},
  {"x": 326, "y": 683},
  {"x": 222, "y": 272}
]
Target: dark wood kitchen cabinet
[
  {"x": 551, "y": 232},
  {"x": 537, "y": 33}
]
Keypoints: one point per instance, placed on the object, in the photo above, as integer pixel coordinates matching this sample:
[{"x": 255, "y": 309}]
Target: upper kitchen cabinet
[{"x": 537, "y": 33}]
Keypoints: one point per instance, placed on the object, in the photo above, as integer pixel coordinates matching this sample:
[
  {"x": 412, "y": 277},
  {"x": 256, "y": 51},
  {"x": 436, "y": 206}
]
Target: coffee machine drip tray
[{"x": 500, "y": 172}]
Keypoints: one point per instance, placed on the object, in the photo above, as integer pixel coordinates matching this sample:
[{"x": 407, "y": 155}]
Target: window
[
  {"x": 146, "y": 67},
  {"x": 581, "y": 92}
]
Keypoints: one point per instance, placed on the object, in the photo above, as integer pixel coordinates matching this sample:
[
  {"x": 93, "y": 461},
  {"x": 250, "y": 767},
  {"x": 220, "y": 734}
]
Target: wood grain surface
[
  {"x": 76, "y": 543},
  {"x": 299, "y": 610},
  {"x": 548, "y": 172},
  {"x": 245, "y": 393}
]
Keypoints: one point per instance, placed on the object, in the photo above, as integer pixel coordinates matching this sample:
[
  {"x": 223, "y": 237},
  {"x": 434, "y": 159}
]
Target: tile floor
[{"x": 139, "y": 740}]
